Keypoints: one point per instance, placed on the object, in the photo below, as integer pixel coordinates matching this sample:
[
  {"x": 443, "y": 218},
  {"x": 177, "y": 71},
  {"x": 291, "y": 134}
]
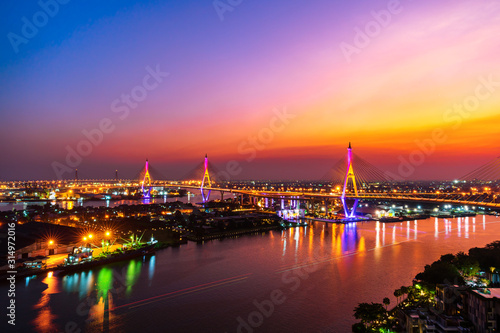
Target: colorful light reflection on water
[{"x": 219, "y": 280}]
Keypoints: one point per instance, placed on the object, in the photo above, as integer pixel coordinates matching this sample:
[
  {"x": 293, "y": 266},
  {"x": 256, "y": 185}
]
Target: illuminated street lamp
[
  {"x": 90, "y": 236},
  {"x": 84, "y": 239},
  {"x": 108, "y": 233},
  {"x": 51, "y": 242}
]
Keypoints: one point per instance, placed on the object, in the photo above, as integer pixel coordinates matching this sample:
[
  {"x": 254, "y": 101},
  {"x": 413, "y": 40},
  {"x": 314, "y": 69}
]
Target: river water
[
  {"x": 305, "y": 279},
  {"x": 193, "y": 198}
]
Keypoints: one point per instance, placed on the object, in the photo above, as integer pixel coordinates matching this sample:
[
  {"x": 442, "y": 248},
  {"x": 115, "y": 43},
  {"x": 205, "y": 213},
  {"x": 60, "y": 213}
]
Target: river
[
  {"x": 193, "y": 198},
  {"x": 305, "y": 279}
]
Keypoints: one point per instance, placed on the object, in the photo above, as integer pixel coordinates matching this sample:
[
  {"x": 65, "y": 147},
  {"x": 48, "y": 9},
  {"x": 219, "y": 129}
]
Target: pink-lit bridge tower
[
  {"x": 146, "y": 182},
  {"x": 205, "y": 183},
  {"x": 349, "y": 213}
]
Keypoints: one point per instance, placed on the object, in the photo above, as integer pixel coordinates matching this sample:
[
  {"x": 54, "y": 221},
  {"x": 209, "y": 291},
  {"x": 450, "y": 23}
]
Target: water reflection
[
  {"x": 284, "y": 247},
  {"x": 99, "y": 287},
  {"x": 100, "y": 313},
  {"x": 151, "y": 269},
  {"x": 362, "y": 246},
  {"x": 45, "y": 319},
  {"x": 462, "y": 227},
  {"x": 349, "y": 237},
  {"x": 133, "y": 271},
  {"x": 29, "y": 278},
  {"x": 344, "y": 238},
  {"x": 104, "y": 281},
  {"x": 71, "y": 204},
  {"x": 80, "y": 283},
  {"x": 383, "y": 234},
  {"x": 436, "y": 228},
  {"x": 377, "y": 230},
  {"x": 332, "y": 241}
]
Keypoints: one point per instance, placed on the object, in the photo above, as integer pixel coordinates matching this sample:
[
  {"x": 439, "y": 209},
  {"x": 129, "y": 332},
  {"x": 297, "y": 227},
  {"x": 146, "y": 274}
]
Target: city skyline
[{"x": 279, "y": 88}]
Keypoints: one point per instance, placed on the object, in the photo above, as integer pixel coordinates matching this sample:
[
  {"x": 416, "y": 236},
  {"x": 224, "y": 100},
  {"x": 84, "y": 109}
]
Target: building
[
  {"x": 449, "y": 299},
  {"x": 422, "y": 320},
  {"x": 483, "y": 307}
]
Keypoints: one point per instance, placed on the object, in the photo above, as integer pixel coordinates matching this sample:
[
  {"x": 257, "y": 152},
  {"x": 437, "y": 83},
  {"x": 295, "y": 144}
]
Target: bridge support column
[
  {"x": 205, "y": 182},
  {"x": 349, "y": 176}
]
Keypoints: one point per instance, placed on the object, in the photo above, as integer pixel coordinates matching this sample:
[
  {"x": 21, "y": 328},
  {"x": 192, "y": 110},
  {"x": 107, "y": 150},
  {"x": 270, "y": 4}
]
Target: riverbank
[
  {"x": 22, "y": 272},
  {"x": 235, "y": 233}
]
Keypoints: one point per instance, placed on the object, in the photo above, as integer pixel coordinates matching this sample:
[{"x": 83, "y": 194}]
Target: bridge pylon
[
  {"x": 146, "y": 183},
  {"x": 349, "y": 213},
  {"x": 205, "y": 182}
]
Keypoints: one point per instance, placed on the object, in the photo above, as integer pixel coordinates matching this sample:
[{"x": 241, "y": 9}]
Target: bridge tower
[
  {"x": 349, "y": 213},
  {"x": 146, "y": 183},
  {"x": 205, "y": 182}
]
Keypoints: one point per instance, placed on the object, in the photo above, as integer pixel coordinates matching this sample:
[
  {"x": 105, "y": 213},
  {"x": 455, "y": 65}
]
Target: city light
[{"x": 271, "y": 97}]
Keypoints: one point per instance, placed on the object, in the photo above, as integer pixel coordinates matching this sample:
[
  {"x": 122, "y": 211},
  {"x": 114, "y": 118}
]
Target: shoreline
[{"x": 23, "y": 273}]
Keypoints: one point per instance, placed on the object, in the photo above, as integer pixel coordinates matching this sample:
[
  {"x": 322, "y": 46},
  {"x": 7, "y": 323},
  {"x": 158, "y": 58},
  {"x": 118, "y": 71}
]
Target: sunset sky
[{"x": 428, "y": 66}]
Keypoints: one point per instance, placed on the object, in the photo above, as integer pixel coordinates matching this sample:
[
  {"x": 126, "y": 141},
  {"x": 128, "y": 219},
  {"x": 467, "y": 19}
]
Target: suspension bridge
[
  {"x": 351, "y": 176},
  {"x": 351, "y": 180}
]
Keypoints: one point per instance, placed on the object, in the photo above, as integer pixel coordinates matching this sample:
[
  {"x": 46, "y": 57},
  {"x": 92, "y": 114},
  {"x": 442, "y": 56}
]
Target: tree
[
  {"x": 404, "y": 291},
  {"x": 449, "y": 258},
  {"x": 369, "y": 313},
  {"x": 386, "y": 302},
  {"x": 397, "y": 294},
  {"x": 359, "y": 328},
  {"x": 440, "y": 272},
  {"x": 466, "y": 264},
  {"x": 493, "y": 246},
  {"x": 178, "y": 217}
]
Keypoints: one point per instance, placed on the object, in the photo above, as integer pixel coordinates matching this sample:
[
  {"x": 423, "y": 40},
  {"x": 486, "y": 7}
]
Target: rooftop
[{"x": 488, "y": 292}]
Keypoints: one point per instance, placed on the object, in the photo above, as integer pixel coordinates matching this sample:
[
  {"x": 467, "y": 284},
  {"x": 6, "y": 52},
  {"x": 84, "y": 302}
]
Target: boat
[{"x": 88, "y": 262}]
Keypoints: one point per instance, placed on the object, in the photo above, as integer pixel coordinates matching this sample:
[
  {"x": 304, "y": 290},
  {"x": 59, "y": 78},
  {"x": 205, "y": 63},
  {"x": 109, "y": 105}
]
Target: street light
[
  {"x": 51, "y": 242},
  {"x": 108, "y": 233},
  {"x": 84, "y": 239},
  {"x": 90, "y": 236}
]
